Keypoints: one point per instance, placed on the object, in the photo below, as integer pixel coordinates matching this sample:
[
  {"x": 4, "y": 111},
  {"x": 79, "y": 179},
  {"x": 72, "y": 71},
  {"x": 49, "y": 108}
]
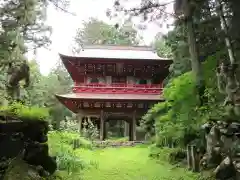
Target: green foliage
[
  {"x": 161, "y": 47},
  {"x": 22, "y": 28},
  {"x": 91, "y": 132},
  {"x": 176, "y": 41},
  {"x": 68, "y": 160},
  {"x": 62, "y": 138},
  {"x": 23, "y": 112},
  {"x": 98, "y": 32},
  {"x": 177, "y": 155},
  {"x": 172, "y": 155},
  {"x": 69, "y": 125},
  {"x": 177, "y": 121}
]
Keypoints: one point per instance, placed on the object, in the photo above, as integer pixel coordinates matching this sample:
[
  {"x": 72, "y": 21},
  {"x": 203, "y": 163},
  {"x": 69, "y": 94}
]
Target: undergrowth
[
  {"x": 18, "y": 110},
  {"x": 69, "y": 163},
  {"x": 172, "y": 155}
]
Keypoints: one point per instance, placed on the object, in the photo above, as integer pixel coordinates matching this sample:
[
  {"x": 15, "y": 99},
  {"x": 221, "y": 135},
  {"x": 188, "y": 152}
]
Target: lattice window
[
  {"x": 102, "y": 105},
  {"x": 91, "y": 104},
  {"x": 90, "y": 67},
  {"x": 97, "y": 104},
  {"x": 130, "y": 68},
  {"x": 140, "y": 105},
  {"x": 110, "y": 68},
  {"x": 99, "y": 68},
  {"x": 113, "y": 105},
  {"x": 147, "y": 69}
]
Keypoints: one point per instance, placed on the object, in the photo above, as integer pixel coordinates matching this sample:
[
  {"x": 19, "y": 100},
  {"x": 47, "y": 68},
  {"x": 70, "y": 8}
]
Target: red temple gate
[{"x": 114, "y": 82}]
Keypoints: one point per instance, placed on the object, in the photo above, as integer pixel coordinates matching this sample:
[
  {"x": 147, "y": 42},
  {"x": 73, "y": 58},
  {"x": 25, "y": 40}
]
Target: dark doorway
[
  {"x": 142, "y": 81},
  {"x": 94, "y": 80}
]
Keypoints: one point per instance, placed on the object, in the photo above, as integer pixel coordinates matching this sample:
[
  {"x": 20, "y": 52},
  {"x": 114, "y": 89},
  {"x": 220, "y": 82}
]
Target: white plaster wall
[
  {"x": 101, "y": 80},
  {"x": 131, "y": 80},
  {"x": 108, "y": 80},
  {"x": 88, "y": 79}
]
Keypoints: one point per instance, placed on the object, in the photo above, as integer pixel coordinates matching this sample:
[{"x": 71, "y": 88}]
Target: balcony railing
[{"x": 119, "y": 88}]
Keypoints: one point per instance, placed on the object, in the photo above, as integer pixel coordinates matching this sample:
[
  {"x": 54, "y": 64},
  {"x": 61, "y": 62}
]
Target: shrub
[
  {"x": 172, "y": 155},
  {"x": 67, "y": 139},
  {"x": 176, "y": 155},
  {"x": 60, "y": 144},
  {"x": 23, "y": 112},
  {"x": 177, "y": 120},
  {"x": 67, "y": 160},
  {"x": 91, "y": 132}
]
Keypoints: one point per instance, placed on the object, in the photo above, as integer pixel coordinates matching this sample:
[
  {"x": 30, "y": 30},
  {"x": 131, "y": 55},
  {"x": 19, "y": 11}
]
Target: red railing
[{"x": 120, "y": 88}]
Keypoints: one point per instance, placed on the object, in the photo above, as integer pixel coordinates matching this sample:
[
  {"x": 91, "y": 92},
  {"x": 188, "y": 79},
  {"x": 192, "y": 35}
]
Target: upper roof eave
[
  {"x": 124, "y": 97},
  {"x": 68, "y": 57}
]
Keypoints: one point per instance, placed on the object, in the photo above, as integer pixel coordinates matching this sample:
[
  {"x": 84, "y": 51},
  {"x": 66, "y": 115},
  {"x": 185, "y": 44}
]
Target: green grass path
[{"x": 130, "y": 163}]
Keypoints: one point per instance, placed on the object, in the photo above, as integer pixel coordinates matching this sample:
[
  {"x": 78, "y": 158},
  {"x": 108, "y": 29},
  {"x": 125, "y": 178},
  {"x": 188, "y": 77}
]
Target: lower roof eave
[{"x": 111, "y": 97}]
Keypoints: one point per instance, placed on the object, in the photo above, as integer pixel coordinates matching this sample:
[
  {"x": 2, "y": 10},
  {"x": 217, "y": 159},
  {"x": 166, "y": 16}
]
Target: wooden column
[
  {"x": 102, "y": 126},
  {"x": 89, "y": 120},
  {"x": 195, "y": 159},
  {"x": 126, "y": 128},
  {"x": 79, "y": 119},
  {"x": 189, "y": 157},
  {"x": 132, "y": 128},
  {"x": 134, "y": 124}
]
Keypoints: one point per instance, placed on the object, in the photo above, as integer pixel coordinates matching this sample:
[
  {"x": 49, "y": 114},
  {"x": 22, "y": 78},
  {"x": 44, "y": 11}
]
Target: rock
[
  {"x": 225, "y": 170},
  {"x": 226, "y": 143},
  {"x": 37, "y": 154},
  {"x": 223, "y": 142},
  {"x": 20, "y": 170},
  {"x": 29, "y": 139}
]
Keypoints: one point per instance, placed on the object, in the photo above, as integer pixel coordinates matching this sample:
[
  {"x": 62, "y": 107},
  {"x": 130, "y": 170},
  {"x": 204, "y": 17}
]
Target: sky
[{"x": 64, "y": 27}]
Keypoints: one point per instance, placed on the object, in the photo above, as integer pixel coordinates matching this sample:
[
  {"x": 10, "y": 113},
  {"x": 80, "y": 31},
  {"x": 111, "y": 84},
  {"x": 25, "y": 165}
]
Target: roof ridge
[{"x": 119, "y": 47}]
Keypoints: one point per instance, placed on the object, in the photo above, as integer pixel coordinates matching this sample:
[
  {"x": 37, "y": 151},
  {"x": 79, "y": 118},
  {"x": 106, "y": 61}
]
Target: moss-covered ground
[{"x": 131, "y": 163}]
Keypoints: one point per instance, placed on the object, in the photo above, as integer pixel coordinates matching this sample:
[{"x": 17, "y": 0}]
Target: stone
[
  {"x": 225, "y": 170},
  {"x": 27, "y": 140},
  {"x": 19, "y": 169}
]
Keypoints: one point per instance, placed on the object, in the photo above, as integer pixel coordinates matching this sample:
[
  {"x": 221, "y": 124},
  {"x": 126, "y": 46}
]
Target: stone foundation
[{"x": 102, "y": 144}]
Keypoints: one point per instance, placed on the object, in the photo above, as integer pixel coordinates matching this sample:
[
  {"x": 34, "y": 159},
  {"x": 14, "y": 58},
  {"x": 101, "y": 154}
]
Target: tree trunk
[
  {"x": 229, "y": 69},
  {"x": 195, "y": 61}
]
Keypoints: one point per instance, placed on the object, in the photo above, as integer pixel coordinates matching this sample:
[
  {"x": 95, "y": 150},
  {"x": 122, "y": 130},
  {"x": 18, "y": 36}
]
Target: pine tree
[{"x": 22, "y": 29}]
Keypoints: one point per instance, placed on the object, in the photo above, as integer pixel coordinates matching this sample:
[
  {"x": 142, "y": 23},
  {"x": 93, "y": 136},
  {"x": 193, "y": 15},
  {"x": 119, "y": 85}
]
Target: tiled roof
[
  {"x": 119, "y": 52},
  {"x": 88, "y": 96}
]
